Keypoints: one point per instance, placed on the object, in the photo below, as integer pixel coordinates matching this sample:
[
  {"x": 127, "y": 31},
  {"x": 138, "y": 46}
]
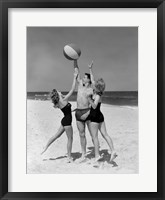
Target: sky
[{"x": 114, "y": 51}]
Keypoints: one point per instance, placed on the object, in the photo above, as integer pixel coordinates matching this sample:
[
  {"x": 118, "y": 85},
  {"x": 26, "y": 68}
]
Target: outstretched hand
[{"x": 90, "y": 65}]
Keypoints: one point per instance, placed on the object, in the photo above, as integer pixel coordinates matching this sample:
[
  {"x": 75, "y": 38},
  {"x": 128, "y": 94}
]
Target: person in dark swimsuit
[
  {"x": 60, "y": 101},
  {"x": 96, "y": 117},
  {"x": 97, "y": 120},
  {"x": 67, "y": 119}
]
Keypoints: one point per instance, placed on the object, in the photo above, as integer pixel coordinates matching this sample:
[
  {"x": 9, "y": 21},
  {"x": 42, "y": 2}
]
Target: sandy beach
[{"x": 43, "y": 121}]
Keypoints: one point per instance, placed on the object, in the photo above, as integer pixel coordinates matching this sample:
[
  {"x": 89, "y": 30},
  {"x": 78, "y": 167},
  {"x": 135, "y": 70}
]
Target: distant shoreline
[
  {"x": 124, "y": 98},
  {"x": 104, "y": 104}
]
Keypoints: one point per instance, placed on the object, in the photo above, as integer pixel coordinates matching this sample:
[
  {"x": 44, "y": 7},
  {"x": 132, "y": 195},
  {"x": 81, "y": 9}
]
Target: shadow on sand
[
  {"x": 90, "y": 154},
  {"x": 104, "y": 154},
  {"x": 75, "y": 156}
]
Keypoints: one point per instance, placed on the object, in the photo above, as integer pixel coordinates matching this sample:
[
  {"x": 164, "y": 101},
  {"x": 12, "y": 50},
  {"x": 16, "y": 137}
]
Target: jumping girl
[{"x": 60, "y": 101}]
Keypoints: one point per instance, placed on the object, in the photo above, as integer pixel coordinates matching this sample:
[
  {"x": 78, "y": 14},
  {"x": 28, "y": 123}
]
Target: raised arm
[
  {"x": 73, "y": 87},
  {"x": 76, "y": 69},
  {"x": 91, "y": 72}
]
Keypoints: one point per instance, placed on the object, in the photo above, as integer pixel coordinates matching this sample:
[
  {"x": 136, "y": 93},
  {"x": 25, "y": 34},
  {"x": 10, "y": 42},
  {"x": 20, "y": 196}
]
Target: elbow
[{"x": 94, "y": 106}]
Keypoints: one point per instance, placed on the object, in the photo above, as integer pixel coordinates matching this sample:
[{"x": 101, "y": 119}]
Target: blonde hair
[
  {"x": 54, "y": 97},
  {"x": 99, "y": 86}
]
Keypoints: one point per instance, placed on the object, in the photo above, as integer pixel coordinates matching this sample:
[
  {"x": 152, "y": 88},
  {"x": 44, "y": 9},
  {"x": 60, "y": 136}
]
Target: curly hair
[
  {"x": 54, "y": 96},
  {"x": 99, "y": 86}
]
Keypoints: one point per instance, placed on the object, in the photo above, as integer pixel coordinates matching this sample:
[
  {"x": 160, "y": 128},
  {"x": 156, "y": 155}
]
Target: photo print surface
[{"x": 82, "y": 100}]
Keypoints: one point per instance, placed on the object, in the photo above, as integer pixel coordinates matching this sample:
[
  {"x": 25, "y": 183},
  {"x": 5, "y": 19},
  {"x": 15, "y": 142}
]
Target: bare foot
[
  {"x": 98, "y": 159},
  {"x": 113, "y": 156},
  {"x": 82, "y": 159}
]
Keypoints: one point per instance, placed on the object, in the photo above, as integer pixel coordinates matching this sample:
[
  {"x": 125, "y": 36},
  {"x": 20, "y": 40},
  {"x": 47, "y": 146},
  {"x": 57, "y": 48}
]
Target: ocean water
[{"x": 128, "y": 98}]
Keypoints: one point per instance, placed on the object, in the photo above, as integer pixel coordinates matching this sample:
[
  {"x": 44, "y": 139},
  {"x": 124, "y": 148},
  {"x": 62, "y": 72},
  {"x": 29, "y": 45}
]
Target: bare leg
[
  {"x": 69, "y": 133},
  {"x": 94, "y": 132},
  {"x": 103, "y": 130},
  {"x": 53, "y": 138},
  {"x": 81, "y": 128},
  {"x": 89, "y": 129}
]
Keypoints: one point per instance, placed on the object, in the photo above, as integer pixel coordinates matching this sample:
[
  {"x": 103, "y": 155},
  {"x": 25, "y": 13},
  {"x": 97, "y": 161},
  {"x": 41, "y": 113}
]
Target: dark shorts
[
  {"x": 97, "y": 118},
  {"x": 67, "y": 120},
  {"x": 80, "y": 112}
]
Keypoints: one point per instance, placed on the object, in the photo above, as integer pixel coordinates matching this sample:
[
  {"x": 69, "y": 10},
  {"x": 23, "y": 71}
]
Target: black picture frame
[{"x": 4, "y": 5}]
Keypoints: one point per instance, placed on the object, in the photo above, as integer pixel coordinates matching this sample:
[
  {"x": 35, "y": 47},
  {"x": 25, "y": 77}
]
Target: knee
[
  {"x": 70, "y": 140},
  {"x": 70, "y": 137},
  {"x": 82, "y": 134},
  {"x": 95, "y": 137}
]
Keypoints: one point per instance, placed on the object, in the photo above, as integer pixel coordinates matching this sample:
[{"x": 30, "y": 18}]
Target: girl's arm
[
  {"x": 91, "y": 72},
  {"x": 73, "y": 87},
  {"x": 94, "y": 102}
]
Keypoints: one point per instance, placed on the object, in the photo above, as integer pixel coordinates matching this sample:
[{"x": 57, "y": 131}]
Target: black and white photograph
[{"x": 82, "y": 100}]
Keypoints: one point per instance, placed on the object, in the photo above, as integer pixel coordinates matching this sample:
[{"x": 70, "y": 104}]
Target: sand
[{"x": 43, "y": 121}]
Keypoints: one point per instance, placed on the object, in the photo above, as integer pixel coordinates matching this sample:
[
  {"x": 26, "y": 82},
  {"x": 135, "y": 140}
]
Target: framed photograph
[{"x": 82, "y": 99}]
